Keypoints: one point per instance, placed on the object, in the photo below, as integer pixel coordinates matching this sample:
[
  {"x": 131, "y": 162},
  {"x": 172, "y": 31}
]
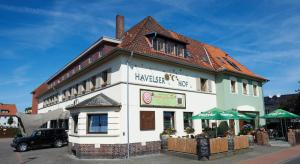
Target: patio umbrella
[
  {"x": 280, "y": 114},
  {"x": 238, "y": 116},
  {"x": 214, "y": 114}
]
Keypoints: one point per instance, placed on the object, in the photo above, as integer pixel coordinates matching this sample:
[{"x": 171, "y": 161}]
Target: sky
[{"x": 37, "y": 38}]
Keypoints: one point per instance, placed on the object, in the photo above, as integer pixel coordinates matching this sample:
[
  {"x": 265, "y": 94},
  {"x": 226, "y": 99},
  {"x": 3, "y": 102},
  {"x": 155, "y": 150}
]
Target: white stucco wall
[{"x": 196, "y": 101}]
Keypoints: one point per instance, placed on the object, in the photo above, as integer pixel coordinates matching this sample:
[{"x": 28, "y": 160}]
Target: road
[{"x": 60, "y": 156}]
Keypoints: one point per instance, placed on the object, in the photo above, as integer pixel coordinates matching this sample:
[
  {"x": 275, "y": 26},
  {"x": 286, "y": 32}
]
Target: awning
[{"x": 31, "y": 122}]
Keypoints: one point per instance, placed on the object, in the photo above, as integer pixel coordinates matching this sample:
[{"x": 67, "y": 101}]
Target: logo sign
[
  {"x": 147, "y": 97},
  {"x": 152, "y": 98}
]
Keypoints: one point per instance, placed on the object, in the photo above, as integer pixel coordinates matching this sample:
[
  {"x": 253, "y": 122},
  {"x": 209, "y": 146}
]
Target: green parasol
[
  {"x": 238, "y": 116},
  {"x": 214, "y": 114},
  {"x": 280, "y": 114}
]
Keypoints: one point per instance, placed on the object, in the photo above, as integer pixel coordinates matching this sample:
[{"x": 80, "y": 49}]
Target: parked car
[{"x": 41, "y": 138}]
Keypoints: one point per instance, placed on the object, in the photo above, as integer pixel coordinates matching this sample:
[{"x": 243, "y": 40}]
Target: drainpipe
[{"x": 127, "y": 85}]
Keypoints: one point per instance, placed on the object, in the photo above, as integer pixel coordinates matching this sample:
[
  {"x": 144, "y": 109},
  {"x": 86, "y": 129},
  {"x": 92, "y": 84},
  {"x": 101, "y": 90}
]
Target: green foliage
[
  {"x": 223, "y": 128},
  {"x": 169, "y": 131},
  {"x": 10, "y": 120},
  {"x": 189, "y": 130}
]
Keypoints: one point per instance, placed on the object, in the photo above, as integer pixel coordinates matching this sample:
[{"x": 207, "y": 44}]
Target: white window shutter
[
  {"x": 198, "y": 84},
  {"x": 88, "y": 85},
  {"x": 98, "y": 81},
  {"x": 209, "y": 86},
  {"x": 108, "y": 76}
]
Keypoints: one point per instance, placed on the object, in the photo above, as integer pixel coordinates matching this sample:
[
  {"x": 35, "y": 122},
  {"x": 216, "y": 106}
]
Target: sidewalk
[{"x": 277, "y": 157}]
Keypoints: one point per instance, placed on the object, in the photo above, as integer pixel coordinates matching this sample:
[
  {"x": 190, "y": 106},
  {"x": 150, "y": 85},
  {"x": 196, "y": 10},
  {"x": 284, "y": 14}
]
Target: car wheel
[
  {"x": 58, "y": 143},
  {"x": 22, "y": 147}
]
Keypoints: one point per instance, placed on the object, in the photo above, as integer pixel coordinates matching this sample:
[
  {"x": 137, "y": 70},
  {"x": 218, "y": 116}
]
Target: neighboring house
[
  {"x": 130, "y": 88},
  {"x": 28, "y": 110},
  {"x": 7, "y": 111}
]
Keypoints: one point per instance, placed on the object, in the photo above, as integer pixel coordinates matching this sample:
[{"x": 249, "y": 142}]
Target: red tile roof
[
  {"x": 135, "y": 39},
  {"x": 12, "y": 109},
  {"x": 202, "y": 54}
]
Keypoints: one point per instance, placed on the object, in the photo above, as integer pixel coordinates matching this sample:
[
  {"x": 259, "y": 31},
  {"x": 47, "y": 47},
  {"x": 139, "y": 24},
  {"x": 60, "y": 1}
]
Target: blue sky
[{"x": 39, "y": 37}]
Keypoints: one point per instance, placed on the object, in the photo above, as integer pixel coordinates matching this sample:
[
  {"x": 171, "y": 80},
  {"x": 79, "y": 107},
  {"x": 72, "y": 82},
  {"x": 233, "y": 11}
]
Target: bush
[
  {"x": 189, "y": 130},
  {"x": 223, "y": 128}
]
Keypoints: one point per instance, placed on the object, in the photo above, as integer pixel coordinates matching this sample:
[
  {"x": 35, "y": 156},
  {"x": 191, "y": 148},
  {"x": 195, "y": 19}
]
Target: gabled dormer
[{"x": 167, "y": 45}]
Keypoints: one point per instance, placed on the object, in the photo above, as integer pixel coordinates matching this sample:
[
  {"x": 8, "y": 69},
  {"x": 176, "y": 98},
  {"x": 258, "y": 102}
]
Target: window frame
[
  {"x": 88, "y": 123},
  {"x": 235, "y": 87},
  {"x": 255, "y": 90},
  {"x": 205, "y": 83},
  {"x": 192, "y": 125},
  {"x": 247, "y": 88}
]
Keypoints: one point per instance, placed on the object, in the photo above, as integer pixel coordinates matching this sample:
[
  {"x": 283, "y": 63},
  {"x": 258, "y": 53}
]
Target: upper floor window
[
  {"x": 233, "y": 86},
  {"x": 168, "y": 46},
  {"x": 4, "y": 111},
  {"x": 255, "y": 90},
  {"x": 232, "y": 64},
  {"x": 203, "y": 85},
  {"x": 245, "y": 88}
]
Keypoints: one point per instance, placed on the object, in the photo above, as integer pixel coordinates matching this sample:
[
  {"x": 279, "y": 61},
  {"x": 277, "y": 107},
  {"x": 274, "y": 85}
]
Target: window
[
  {"x": 97, "y": 123},
  {"x": 105, "y": 76},
  {"x": 147, "y": 120},
  {"x": 245, "y": 88},
  {"x": 233, "y": 86},
  {"x": 169, "y": 120},
  {"x": 187, "y": 119},
  {"x": 255, "y": 90},
  {"x": 161, "y": 45},
  {"x": 169, "y": 47},
  {"x": 93, "y": 83},
  {"x": 75, "y": 121},
  {"x": 203, "y": 85},
  {"x": 232, "y": 64}
]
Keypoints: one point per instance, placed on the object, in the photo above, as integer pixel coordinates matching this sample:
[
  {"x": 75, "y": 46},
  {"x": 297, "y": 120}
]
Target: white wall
[
  {"x": 4, "y": 119},
  {"x": 195, "y": 101}
]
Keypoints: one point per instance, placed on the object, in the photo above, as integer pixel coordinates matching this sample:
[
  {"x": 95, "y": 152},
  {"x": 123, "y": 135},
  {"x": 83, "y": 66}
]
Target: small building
[
  {"x": 8, "y": 111},
  {"x": 123, "y": 92},
  {"x": 28, "y": 110}
]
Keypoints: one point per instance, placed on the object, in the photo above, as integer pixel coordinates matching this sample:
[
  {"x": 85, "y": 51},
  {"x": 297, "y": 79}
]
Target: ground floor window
[
  {"x": 97, "y": 123},
  {"x": 169, "y": 120},
  {"x": 187, "y": 119}
]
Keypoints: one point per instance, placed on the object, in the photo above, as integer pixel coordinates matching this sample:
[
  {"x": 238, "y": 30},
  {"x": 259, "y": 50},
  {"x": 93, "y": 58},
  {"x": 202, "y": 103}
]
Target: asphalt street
[{"x": 60, "y": 156}]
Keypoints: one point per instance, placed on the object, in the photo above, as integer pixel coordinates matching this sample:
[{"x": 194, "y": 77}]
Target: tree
[
  {"x": 297, "y": 103},
  {"x": 10, "y": 120}
]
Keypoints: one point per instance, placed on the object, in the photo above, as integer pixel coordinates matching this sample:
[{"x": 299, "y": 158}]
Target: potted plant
[
  {"x": 164, "y": 135},
  {"x": 189, "y": 131}
]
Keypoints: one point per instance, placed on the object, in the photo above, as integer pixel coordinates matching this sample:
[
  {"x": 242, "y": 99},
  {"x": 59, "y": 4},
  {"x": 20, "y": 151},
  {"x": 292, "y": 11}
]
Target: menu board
[{"x": 203, "y": 147}]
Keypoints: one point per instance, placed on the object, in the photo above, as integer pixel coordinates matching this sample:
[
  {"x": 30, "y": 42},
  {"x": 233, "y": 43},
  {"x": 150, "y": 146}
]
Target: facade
[
  {"x": 123, "y": 92},
  {"x": 8, "y": 111}
]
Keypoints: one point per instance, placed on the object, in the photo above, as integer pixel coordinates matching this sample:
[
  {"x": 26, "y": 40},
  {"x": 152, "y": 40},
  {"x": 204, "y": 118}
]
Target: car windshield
[{"x": 36, "y": 133}]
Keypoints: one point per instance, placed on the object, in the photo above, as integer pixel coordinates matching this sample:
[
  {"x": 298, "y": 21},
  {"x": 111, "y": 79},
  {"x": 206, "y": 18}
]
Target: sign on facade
[{"x": 151, "y": 98}]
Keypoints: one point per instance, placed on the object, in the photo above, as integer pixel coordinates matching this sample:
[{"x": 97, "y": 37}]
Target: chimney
[{"x": 119, "y": 26}]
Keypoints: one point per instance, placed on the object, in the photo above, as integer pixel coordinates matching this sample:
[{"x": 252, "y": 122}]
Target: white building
[{"x": 129, "y": 89}]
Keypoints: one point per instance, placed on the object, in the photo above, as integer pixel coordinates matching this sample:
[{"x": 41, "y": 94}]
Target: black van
[{"x": 41, "y": 138}]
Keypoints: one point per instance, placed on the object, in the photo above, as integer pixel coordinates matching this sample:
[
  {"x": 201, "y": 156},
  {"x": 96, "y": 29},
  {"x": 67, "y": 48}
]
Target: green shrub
[{"x": 223, "y": 128}]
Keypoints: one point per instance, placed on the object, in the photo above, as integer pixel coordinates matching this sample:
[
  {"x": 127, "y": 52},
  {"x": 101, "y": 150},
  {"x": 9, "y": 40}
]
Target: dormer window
[{"x": 168, "y": 46}]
